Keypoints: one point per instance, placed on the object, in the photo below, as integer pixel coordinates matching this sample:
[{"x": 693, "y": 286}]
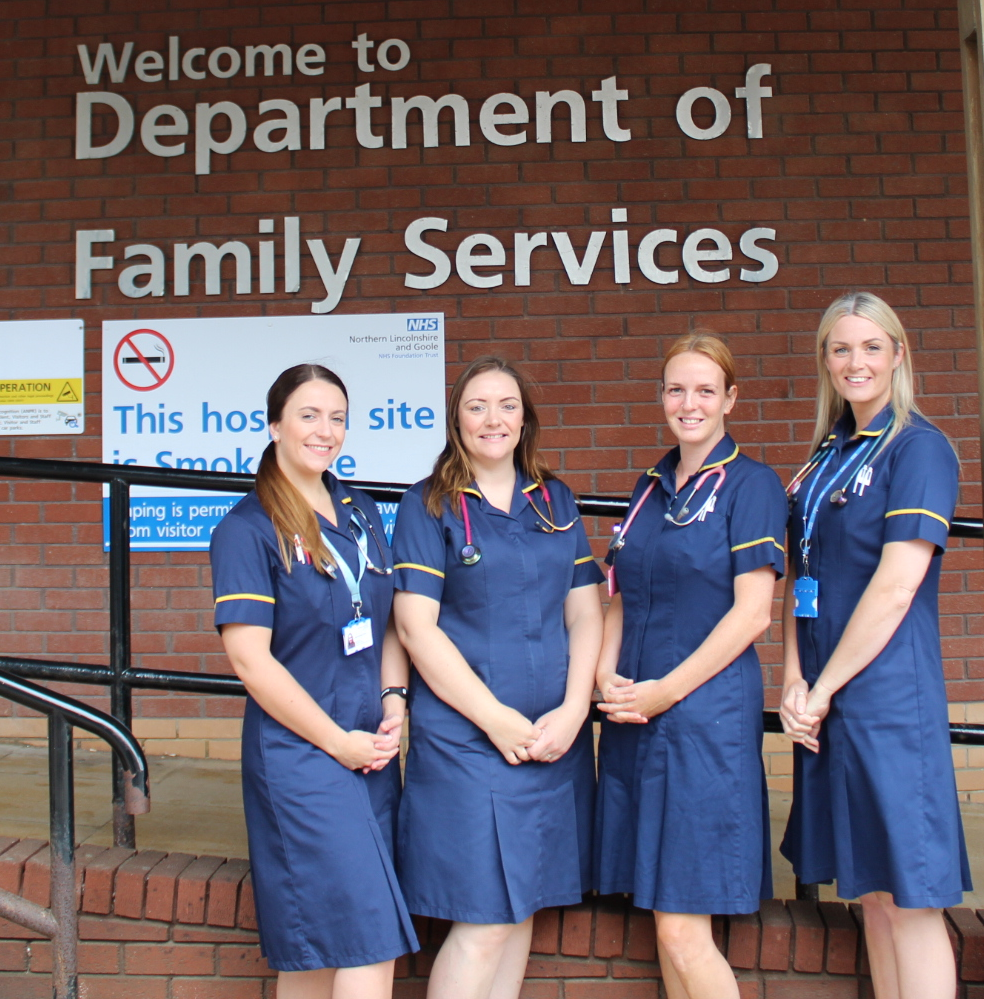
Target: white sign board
[
  {"x": 41, "y": 369},
  {"x": 191, "y": 393}
]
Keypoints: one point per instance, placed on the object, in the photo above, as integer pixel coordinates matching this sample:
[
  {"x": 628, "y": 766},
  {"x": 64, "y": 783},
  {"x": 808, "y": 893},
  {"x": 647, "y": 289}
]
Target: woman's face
[
  {"x": 310, "y": 433},
  {"x": 695, "y": 400},
  {"x": 490, "y": 417},
  {"x": 860, "y": 358}
]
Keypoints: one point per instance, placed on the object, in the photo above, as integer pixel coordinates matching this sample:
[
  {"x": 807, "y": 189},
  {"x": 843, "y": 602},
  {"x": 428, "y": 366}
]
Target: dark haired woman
[
  {"x": 302, "y": 601},
  {"x": 498, "y": 605}
]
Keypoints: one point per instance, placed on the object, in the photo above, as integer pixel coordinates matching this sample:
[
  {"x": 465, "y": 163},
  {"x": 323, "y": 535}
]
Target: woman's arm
[
  {"x": 748, "y": 617},
  {"x": 451, "y": 678},
  {"x": 394, "y": 672},
  {"x": 284, "y": 699},
  {"x": 585, "y": 623},
  {"x": 792, "y": 712},
  {"x": 885, "y": 602},
  {"x": 607, "y": 678}
]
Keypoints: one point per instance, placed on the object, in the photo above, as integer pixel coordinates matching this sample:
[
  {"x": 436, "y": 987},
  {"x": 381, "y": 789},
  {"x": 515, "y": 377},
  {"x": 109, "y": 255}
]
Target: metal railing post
[
  {"x": 121, "y": 707},
  {"x": 62, "y": 848}
]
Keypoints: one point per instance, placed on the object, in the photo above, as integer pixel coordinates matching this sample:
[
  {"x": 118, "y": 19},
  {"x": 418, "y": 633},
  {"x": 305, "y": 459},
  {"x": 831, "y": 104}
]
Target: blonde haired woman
[
  {"x": 874, "y": 801},
  {"x": 682, "y": 810}
]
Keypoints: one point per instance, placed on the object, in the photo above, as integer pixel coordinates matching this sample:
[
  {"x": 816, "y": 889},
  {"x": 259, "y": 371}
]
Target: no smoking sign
[{"x": 143, "y": 360}]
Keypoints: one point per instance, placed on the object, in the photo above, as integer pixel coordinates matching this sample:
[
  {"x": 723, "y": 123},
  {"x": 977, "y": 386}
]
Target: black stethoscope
[
  {"x": 379, "y": 570},
  {"x": 470, "y": 552}
]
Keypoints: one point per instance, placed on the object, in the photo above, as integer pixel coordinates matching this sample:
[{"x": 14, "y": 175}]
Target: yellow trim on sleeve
[
  {"x": 928, "y": 513},
  {"x": 246, "y": 596},
  {"x": 422, "y": 568},
  {"x": 581, "y": 561},
  {"x": 759, "y": 541}
]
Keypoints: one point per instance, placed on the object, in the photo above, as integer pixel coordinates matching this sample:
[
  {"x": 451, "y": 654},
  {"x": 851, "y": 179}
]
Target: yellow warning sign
[{"x": 40, "y": 390}]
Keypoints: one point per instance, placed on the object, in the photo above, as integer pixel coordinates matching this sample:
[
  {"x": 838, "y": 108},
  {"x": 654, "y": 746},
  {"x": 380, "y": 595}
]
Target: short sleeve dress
[
  {"x": 683, "y": 820},
  {"x": 481, "y": 841},
  {"x": 320, "y": 836},
  {"x": 876, "y": 808}
]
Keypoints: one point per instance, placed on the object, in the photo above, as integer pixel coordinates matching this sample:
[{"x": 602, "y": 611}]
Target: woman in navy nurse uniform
[
  {"x": 498, "y": 604},
  {"x": 683, "y": 817},
  {"x": 874, "y": 797},
  {"x": 302, "y": 600}
]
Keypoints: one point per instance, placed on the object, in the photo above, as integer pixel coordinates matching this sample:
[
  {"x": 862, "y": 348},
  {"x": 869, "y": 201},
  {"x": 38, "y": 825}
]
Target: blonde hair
[
  {"x": 711, "y": 347},
  {"x": 830, "y": 405},
  {"x": 453, "y": 470}
]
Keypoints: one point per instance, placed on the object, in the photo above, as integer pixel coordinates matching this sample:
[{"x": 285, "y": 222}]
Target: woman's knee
[
  {"x": 481, "y": 941},
  {"x": 881, "y": 905},
  {"x": 683, "y": 936}
]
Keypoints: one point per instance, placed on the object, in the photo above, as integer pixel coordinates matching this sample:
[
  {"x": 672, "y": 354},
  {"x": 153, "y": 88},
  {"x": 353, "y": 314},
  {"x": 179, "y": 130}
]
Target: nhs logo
[{"x": 428, "y": 325}]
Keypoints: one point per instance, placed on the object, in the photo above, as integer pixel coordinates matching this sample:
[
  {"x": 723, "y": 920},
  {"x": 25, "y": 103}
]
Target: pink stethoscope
[
  {"x": 618, "y": 542},
  {"x": 470, "y": 553}
]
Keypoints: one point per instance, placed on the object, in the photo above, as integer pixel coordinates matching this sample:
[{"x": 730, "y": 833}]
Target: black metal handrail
[
  {"x": 61, "y": 921},
  {"x": 121, "y": 677}
]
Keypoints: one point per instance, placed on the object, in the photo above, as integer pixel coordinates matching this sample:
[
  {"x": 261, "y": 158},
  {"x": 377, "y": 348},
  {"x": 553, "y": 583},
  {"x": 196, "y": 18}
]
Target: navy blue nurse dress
[
  {"x": 320, "y": 836},
  {"x": 683, "y": 816},
  {"x": 877, "y": 807},
  {"x": 481, "y": 841}
]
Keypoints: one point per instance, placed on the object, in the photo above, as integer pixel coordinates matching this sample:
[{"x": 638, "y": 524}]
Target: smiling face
[
  {"x": 860, "y": 358},
  {"x": 490, "y": 418},
  {"x": 695, "y": 400},
  {"x": 311, "y": 431}
]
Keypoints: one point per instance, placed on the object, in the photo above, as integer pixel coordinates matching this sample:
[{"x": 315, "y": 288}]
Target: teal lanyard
[
  {"x": 810, "y": 514},
  {"x": 343, "y": 567}
]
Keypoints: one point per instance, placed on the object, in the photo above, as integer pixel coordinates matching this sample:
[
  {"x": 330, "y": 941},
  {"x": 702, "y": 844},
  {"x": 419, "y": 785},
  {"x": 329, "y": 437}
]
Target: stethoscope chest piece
[
  {"x": 470, "y": 554},
  {"x": 839, "y": 497}
]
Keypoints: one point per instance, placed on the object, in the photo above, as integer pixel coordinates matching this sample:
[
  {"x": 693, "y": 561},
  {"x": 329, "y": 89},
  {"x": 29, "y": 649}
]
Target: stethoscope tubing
[{"x": 470, "y": 553}]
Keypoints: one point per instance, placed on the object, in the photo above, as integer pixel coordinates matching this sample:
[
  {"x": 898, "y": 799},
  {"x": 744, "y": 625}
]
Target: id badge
[
  {"x": 805, "y": 594},
  {"x": 357, "y": 635}
]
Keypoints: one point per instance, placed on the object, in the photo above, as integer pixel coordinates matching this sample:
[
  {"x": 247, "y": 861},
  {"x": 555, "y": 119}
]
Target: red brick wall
[
  {"x": 861, "y": 172},
  {"x": 158, "y": 926}
]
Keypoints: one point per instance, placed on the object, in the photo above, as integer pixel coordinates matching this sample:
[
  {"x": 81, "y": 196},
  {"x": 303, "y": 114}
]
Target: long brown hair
[
  {"x": 453, "y": 470},
  {"x": 285, "y": 506}
]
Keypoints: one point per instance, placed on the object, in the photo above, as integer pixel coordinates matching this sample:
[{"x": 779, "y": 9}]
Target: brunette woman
[
  {"x": 498, "y": 604},
  {"x": 302, "y": 583}
]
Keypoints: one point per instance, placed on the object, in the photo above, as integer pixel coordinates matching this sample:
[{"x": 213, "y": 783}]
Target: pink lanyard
[{"x": 617, "y": 544}]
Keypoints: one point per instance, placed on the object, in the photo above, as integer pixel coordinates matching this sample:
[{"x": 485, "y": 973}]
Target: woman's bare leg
[
  {"x": 305, "y": 984},
  {"x": 370, "y": 981},
  {"x": 466, "y": 966},
  {"x": 512, "y": 965},
  {"x": 700, "y": 968},
  {"x": 917, "y": 944}
]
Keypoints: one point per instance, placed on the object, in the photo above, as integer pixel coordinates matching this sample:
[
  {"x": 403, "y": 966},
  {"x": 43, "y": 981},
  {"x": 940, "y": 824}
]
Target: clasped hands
[
  {"x": 803, "y": 710},
  {"x": 545, "y": 740},
  {"x": 633, "y": 701}
]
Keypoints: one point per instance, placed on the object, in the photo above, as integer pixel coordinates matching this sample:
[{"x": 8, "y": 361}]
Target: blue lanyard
[
  {"x": 350, "y": 580},
  {"x": 810, "y": 514}
]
